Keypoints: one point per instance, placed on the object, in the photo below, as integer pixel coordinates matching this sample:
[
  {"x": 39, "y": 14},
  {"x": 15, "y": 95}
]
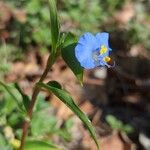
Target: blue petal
[
  {"x": 87, "y": 39},
  {"x": 84, "y": 55},
  {"x": 102, "y": 38},
  {"x": 83, "y": 51}
]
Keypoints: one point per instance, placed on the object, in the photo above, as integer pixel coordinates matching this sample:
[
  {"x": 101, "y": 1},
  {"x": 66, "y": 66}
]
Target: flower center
[
  {"x": 98, "y": 56},
  {"x": 103, "y": 49},
  {"x": 95, "y": 55}
]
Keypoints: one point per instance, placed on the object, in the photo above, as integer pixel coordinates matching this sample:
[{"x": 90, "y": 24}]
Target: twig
[{"x": 36, "y": 91}]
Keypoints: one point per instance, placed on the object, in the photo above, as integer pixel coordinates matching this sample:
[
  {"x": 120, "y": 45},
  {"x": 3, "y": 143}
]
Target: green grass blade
[
  {"x": 54, "y": 23},
  {"x": 65, "y": 97}
]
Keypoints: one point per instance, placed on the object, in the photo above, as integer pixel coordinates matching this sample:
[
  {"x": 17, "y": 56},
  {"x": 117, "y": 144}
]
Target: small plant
[
  {"x": 65, "y": 45},
  {"x": 89, "y": 52},
  {"x": 118, "y": 124}
]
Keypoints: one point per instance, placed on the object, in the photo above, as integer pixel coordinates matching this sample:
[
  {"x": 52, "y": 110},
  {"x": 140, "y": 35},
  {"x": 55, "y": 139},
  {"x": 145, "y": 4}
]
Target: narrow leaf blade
[
  {"x": 54, "y": 23},
  {"x": 12, "y": 95},
  {"x": 68, "y": 54},
  {"x": 68, "y": 101},
  {"x": 25, "y": 98},
  {"x": 39, "y": 145}
]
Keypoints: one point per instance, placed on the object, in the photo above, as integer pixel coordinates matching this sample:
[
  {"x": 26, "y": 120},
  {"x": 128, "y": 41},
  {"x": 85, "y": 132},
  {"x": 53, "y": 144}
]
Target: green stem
[{"x": 36, "y": 91}]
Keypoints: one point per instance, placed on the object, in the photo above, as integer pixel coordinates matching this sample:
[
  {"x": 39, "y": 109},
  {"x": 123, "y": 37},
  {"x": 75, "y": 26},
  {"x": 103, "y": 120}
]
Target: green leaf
[
  {"x": 25, "y": 98},
  {"x": 65, "y": 97},
  {"x": 68, "y": 54},
  {"x": 69, "y": 38},
  {"x": 39, "y": 145},
  {"x": 12, "y": 95},
  {"x": 54, "y": 84},
  {"x": 54, "y": 24}
]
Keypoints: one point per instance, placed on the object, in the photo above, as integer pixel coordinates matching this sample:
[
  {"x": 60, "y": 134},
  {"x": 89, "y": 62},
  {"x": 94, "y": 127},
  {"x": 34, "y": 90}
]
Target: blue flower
[{"x": 92, "y": 51}]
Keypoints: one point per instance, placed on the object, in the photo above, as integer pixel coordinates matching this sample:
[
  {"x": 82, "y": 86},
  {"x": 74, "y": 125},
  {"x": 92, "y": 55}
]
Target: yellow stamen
[
  {"x": 103, "y": 50},
  {"x": 107, "y": 59}
]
